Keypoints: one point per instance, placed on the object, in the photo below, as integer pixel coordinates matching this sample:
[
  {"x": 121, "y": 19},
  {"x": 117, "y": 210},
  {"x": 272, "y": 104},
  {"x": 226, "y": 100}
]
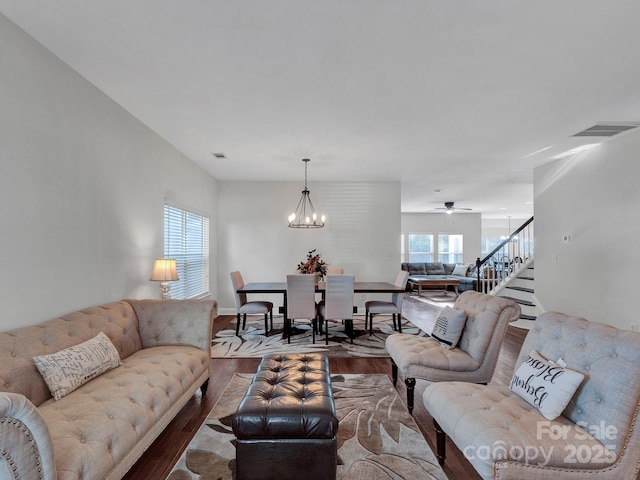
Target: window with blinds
[{"x": 186, "y": 239}]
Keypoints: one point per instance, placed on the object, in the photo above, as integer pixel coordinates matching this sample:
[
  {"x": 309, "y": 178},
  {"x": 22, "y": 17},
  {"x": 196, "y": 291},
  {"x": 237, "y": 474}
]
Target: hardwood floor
[{"x": 157, "y": 462}]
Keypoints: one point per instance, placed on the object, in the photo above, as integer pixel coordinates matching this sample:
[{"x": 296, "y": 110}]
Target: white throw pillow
[
  {"x": 545, "y": 384},
  {"x": 449, "y": 326},
  {"x": 460, "y": 270},
  {"x": 66, "y": 370}
]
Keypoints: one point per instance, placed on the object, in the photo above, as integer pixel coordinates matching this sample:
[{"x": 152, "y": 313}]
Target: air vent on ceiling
[
  {"x": 218, "y": 155},
  {"x": 607, "y": 129}
]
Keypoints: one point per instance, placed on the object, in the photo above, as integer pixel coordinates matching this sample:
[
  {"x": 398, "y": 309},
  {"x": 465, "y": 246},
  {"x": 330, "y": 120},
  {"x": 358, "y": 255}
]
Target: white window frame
[
  {"x": 186, "y": 239},
  {"x": 459, "y": 253},
  {"x": 408, "y": 252}
]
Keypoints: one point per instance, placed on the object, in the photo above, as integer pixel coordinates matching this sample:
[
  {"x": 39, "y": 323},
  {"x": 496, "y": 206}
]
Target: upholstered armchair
[
  {"x": 472, "y": 360},
  {"x": 595, "y": 435}
]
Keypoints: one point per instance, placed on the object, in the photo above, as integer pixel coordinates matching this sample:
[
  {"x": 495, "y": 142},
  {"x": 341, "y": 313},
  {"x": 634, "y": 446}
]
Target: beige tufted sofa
[
  {"x": 596, "y": 436},
  {"x": 99, "y": 430}
]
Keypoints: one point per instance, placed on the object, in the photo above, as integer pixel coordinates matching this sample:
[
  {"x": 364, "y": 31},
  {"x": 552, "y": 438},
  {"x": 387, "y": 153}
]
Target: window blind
[{"x": 186, "y": 239}]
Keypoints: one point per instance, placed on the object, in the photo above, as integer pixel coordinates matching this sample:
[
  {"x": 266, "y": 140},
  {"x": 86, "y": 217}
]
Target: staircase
[
  {"x": 520, "y": 289},
  {"x": 508, "y": 271}
]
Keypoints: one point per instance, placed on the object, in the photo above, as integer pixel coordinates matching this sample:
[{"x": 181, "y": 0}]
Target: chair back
[
  {"x": 238, "y": 283},
  {"x": 487, "y": 319},
  {"x": 401, "y": 281},
  {"x": 301, "y": 296},
  {"x": 335, "y": 271},
  {"x": 338, "y": 299}
]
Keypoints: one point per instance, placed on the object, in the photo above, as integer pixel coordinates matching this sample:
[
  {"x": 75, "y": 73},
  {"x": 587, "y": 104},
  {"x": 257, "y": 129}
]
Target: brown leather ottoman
[{"x": 286, "y": 424}]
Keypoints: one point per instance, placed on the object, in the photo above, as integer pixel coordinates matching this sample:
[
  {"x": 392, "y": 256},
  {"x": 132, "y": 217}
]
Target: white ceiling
[{"x": 441, "y": 95}]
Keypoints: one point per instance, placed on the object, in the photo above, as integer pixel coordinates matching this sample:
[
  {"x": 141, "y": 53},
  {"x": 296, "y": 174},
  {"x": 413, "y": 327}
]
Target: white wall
[
  {"x": 595, "y": 197},
  {"x": 82, "y": 187},
  {"x": 467, "y": 224},
  {"x": 362, "y": 232}
]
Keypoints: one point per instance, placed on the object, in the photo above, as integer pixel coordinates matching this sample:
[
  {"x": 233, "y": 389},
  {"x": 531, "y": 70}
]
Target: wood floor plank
[{"x": 157, "y": 462}]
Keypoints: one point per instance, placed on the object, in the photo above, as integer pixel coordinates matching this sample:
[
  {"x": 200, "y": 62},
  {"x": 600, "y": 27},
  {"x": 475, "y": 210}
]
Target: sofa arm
[
  {"x": 25, "y": 444},
  {"x": 175, "y": 322}
]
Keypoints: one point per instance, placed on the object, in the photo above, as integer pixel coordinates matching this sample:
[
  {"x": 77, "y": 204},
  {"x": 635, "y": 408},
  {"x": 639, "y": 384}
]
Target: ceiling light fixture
[{"x": 305, "y": 215}]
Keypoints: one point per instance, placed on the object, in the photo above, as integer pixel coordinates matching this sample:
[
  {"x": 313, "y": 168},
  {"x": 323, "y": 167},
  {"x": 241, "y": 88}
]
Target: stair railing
[{"x": 506, "y": 259}]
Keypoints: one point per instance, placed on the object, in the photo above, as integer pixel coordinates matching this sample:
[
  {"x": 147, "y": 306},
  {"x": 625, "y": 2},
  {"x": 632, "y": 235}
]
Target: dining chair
[
  {"x": 301, "y": 302},
  {"x": 394, "y": 307},
  {"x": 337, "y": 304},
  {"x": 244, "y": 307}
]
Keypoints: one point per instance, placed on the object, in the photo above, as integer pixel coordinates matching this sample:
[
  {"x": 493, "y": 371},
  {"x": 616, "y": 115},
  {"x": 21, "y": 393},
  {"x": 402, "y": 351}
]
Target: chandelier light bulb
[{"x": 322, "y": 219}]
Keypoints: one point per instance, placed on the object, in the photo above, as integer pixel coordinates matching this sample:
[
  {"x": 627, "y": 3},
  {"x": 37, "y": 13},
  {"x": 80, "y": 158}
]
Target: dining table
[{"x": 281, "y": 288}]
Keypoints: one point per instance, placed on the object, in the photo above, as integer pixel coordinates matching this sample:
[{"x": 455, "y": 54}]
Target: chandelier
[{"x": 305, "y": 215}]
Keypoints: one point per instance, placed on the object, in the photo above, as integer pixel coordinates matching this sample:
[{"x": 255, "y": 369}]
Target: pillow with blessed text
[
  {"x": 449, "y": 326},
  {"x": 545, "y": 385}
]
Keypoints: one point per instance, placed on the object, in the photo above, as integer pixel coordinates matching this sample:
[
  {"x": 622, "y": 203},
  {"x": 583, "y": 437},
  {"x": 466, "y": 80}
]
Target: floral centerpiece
[{"x": 314, "y": 264}]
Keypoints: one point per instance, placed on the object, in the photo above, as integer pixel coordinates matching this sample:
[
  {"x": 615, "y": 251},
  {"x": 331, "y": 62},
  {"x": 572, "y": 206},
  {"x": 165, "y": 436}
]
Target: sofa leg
[
  {"x": 440, "y": 443},
  {"x": 411, "y": 385},
  {"x": 204, "y": 386},
  {"x": 394, "y": 372}
]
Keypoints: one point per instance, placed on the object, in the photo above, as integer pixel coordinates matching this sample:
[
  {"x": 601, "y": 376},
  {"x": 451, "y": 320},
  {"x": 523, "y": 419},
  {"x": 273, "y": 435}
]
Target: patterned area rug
[
  {"x": 377, "y": 438},
  {"x": 253, "y": 343}
]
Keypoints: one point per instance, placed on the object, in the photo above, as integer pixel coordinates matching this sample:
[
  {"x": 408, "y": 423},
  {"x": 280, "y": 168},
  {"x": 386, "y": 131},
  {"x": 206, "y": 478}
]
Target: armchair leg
[
  {"x": 244, "y": 321},
  {"x": 238, "y": 326},
  {"x": 266, "y": 325},
  {"x": 399, "y": 322},
  {"x": 393, "y": 315},
  {"x": 394, "y": 372},
  {"x": 440, "y": 443},
  {"x": 204, "y": 386},
  {"x": 411, "y": 385},
  {"x": 271, "y": 318},
  {"x": 370, "y": 324}
]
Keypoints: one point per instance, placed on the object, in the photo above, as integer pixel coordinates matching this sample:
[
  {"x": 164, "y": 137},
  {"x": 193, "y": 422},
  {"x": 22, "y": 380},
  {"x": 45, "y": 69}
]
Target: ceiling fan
[{"x": 449, "y": 208}]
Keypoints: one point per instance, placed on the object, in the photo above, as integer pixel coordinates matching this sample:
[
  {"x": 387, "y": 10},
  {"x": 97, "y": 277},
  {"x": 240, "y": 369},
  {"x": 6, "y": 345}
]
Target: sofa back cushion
[
  {"x": 608, "y": 358},
  {"x": 435, "y": 268},
  {"x": 18, "y": 347},
  {"x": 414, "y": 268}
]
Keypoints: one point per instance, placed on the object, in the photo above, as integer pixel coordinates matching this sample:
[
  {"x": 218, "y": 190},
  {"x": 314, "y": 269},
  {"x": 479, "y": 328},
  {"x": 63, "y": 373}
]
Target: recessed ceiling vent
[
  {"x": 607, "y": 129},
  {"x": 218, "y": 155}
]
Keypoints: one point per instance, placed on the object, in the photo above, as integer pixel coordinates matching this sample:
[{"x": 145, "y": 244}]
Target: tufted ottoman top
[{"x": 290, "y": 397}]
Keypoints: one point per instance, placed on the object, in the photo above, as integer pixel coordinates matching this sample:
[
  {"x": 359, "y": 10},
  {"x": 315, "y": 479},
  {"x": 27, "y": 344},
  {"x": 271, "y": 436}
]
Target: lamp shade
[{"x": 164, "y": 269}]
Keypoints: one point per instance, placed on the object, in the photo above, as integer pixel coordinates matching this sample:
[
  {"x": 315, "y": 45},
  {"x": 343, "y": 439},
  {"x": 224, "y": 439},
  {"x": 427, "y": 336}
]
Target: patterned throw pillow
[
  {"x": 449, "y": 326},
  {"x": 66, "y": 370},
  {"x": 546, "y": 385}
]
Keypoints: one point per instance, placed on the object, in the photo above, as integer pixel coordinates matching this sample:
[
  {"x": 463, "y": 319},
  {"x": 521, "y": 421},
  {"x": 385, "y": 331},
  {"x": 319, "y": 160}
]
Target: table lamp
[{"x": 164, "y": 271}]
